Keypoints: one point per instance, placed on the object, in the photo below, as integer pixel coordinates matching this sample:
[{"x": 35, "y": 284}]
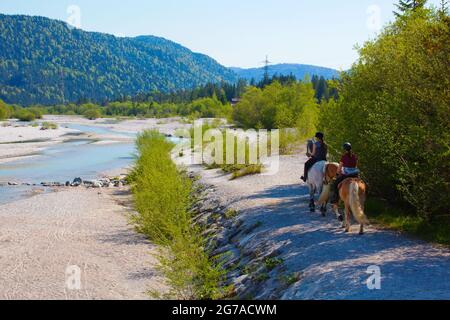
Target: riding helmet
[
  {"x": 320, "y": 135},
  {"x": 348, "y": 146}
]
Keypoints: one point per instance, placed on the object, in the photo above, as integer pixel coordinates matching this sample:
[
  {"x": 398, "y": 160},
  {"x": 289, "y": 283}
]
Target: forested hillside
[{"x": 44, "y": 61}]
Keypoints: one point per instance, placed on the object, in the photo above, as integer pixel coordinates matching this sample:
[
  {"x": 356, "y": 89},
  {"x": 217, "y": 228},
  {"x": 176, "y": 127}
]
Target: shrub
[
  {"x": 49, "y": 126},
  {"x": 4, "y": 114},
  {"x": 92, "y": 114},
  {"x": 162, "y": 196},
  {"x": 38, "y": 112},
  {"x": 24, "y": 115}
]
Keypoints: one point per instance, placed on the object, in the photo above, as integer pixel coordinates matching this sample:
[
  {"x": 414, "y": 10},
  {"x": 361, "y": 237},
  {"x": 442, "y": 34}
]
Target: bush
[
  {"x": 92, "y": 114},
  {"x": 4, "y": 114},
  {"x": 49, "y": 126},
  {"x": 24, "y": 115},
  {"x": 38, "y": 112},
  {"x": 162, "y": 196},
  {"x": 394, "y": 108}
]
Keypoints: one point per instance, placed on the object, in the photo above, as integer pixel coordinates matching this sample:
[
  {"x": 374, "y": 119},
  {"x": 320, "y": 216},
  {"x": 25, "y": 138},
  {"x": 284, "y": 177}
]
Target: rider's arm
[
  {"x": 341, "y": 167},
  {"x": 314, "y": 150}
]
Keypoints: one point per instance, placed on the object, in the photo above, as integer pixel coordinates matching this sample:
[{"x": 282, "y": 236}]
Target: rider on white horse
[{"x": 319, "y": 153}]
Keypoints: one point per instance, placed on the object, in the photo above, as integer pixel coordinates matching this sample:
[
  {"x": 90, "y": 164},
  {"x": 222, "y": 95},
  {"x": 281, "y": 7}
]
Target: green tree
[
  {"x": 92, "y": 113},
  {"x": 405, "y": 6},
  {"x": 394, "y": 108}
]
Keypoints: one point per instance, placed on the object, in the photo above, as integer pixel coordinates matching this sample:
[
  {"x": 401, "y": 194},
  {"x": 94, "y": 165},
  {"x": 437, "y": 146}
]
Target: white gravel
[{"x": 43, "y": 235}]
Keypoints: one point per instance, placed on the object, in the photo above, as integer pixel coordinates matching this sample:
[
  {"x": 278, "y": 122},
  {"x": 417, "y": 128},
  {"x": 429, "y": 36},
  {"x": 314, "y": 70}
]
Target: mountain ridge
[
  {"x": 47, "y": 61},
  {"x": 44, "y": 61},
  {"x": 285, "y": 69}
]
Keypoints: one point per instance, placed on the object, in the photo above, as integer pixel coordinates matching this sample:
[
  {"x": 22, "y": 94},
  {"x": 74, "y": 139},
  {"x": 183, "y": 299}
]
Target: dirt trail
[
  {"x": 41, "y": 236},
  {"x": 332, "y": 264}
]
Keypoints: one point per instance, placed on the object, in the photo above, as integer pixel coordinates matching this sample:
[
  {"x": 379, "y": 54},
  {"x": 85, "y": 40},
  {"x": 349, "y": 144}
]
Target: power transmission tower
[{"x": 266, "y": 69}]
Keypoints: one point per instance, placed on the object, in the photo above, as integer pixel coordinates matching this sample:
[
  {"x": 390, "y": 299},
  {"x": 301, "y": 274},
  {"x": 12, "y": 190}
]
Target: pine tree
[
  {"x": 444, "y": 7},
  {"x": 405, "y": 6}
]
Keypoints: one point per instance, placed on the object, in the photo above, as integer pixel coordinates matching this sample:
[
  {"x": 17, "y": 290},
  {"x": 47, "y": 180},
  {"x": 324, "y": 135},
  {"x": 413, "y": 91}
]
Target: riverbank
[
  {"x": 44, "y": 235},
  {"x": 19, "y": 140}
]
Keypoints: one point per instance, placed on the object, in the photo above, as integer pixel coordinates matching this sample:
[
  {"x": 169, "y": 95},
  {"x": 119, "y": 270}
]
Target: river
[{"x": 65, "y": 161}]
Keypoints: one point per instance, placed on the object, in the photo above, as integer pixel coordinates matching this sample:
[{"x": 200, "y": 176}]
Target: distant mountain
[
  {"x": 44, "y": 61},
  {"x": 298, "y": 70}
]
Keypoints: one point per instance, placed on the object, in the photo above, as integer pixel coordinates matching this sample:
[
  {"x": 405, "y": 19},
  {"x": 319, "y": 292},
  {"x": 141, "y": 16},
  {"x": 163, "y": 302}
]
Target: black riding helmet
[
  {"x": 347, "y": 146},
  {"x": 320, "y": 135}
]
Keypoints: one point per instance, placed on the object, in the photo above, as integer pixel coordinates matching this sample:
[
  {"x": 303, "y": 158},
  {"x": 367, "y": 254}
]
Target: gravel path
[
  {"x": 332, "y": 264},
  {"x": 41, "y": 236}
]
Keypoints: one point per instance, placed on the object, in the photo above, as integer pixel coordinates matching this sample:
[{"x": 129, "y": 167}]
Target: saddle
[{"x": 351, "y": 177}]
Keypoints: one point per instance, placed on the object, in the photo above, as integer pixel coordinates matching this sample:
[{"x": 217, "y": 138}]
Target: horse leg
[
  {"x": 312, "y": 204},
  {"x": 338, "y": 214},
  {"x": 323, "y": 208},
  {"x": 347, "y": 218},
  {"x": 361, "y": 230}
]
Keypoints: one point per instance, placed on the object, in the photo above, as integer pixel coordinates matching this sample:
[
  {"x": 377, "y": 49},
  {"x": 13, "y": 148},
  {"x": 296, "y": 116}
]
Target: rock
[
  {"x": 77, "y": 182},
  {"x": 51, "y": 184},
  {"x": 96, "y": 184},
  {"x": 67, "y": 183}
]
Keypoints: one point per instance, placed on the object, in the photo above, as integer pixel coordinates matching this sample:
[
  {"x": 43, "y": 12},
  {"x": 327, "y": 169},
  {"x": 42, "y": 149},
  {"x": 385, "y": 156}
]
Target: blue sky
[{"x": 234, "y": 32}]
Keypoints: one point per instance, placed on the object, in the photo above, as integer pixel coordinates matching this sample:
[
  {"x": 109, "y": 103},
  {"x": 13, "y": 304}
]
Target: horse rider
[
  {"x": 319, "y": 153},
  {"x": 348, "y": 168}
]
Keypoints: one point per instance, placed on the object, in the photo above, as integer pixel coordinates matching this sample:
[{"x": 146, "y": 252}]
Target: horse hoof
[
  {"x": 341, "y": 218},
  {"x": 361, "y": 233},
  {"x": 347, "y": 230}
]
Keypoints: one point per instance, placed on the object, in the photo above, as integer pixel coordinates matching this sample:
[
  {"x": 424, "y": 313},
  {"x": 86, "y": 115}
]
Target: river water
[{"x": 66, "y": 161}]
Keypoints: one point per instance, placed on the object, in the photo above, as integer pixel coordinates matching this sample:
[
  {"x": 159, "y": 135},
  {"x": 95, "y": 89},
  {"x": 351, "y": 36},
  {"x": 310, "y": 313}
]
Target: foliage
[
  {"x": 275, "y": 106},
  {"x": 23, "y": 115},
  {"x": 4, "y": 112},
  {"x": 394, "y": 108},
  {"x": 162, "y": 196},
  {"x": 92, "y": 113},
  {"x": 397, "y": 218},
  {"x": 49, "y": 126}
]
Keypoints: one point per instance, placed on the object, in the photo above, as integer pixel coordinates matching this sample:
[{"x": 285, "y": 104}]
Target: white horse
[
  {"x": 321, "y": 173},
  {"x": 315, "y": 184}
]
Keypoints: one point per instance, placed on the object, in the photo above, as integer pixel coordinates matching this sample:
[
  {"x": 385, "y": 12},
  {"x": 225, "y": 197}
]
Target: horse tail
[
  {"x": 355, "y": 204},
  {"x": 325, "y": 194}
]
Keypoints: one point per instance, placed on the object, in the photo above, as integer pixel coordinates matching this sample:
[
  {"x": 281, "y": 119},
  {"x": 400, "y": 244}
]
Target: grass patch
[
  {"x": 290, "y": 279},
  {"x": 231, "y": 214},
  {"x": 246, "y": 166},
  {"x": 49, "y": 126},
  {"x": 272, "y": 263},
  {"x": 395, "y": 218},
  {"x": 163, "y": 197},
  {"x": 246, "y": 171}
]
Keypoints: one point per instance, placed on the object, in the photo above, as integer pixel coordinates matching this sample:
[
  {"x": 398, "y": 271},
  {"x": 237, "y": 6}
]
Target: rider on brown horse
[{"x": 348, "y": 168}]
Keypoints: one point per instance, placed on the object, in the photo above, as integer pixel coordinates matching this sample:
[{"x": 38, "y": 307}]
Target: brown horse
[{"x": 353, "y": 193}]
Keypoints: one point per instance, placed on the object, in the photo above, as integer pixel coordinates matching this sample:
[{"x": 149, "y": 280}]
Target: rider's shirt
[
  {"x": 321, "y": 152},
  {"x": 349, "y": 161}
]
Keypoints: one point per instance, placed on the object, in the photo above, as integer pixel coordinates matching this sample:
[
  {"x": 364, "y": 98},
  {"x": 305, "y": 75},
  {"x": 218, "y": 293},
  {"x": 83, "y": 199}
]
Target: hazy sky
[{"x": 234, "y": 32}]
